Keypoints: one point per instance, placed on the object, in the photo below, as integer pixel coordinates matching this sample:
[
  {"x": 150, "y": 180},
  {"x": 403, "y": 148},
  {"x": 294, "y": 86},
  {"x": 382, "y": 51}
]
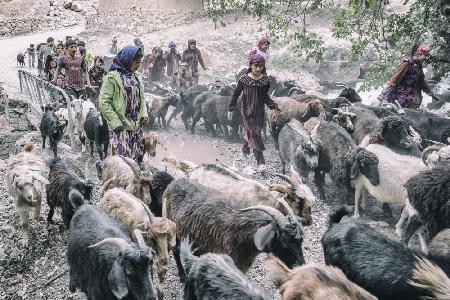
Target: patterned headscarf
[
  {"x": 423, "y": 49},
  {"x": 256, "y": 58},
  {"x": 262, "y": 41},
  {"x": 124, "y": 60}
]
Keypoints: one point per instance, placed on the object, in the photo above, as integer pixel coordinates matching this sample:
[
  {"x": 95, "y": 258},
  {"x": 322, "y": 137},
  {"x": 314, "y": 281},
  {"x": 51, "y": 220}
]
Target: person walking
[
  {"x": 31, "y": 52},
  {"x": 51, "y": 64},
  {"x": 197, "y": 58},
  {"x": 76, "y": 75},
  {"x": 255, "y": 88},
  {"x": 96, "y": 75},
  {"x": 122, "y": 103},
  {"x": 185, "y": 78},
  {"x": 46, "y": 50},
  {"x": 262, "y": 48},
  {"x": 157, "y": 66},
  {"x": 114, "y": 48},
  {"x": 173, "y": 58},
  {"x": 138, "y": 43},
  {"x": 406, "y": 85}
]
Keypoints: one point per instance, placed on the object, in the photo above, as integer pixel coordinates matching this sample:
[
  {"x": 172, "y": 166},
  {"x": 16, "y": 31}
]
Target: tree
[{"x": 379, "y": 35}]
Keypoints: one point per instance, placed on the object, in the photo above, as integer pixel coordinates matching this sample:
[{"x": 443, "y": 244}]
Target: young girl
[{"x": 255, "y": 87}]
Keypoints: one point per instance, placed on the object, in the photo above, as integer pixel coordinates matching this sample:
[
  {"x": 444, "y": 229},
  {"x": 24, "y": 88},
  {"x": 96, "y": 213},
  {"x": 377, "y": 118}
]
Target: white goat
[
  {"x": 394, "y": 170},
  {"x": 25, "y": 177},
  {"x": 80, "y": 108}
]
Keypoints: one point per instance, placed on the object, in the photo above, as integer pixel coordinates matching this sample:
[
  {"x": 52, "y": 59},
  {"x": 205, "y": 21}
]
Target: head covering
[
  {"x": 81, "y": 44},
  {"x": 423, "y": 49},
  {"x": 192, "y": 41},
  {"x": 137, "y": 41},
  {"x": 172, "y": 44},
  {"x": 82, "y": 50},
  {"x": 262, "y": 41},
  {"x": 70, "y": 43},
  {"x": 256, "y": 58},
  {"x": 124, "y": 60},
  {"x": 50, "y": 39}
]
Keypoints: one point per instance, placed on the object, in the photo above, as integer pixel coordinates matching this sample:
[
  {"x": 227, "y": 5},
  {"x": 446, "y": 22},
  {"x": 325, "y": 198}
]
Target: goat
[
  {"x": 159, "y": 233},
  {"x": 372, "y": 260},
  {"x": 215, "y": 276},
  {"x": 219, "y": 224},
  {"x": 395, "y": 170},
  {"x": 25, "y": 178},
  {"x": 291, "y": 109},
  {"x": 186, "y": 104},
  {"x": 103, "y": 261},
  {"x": 314, "y": 282},
  {"x": 81, "y": 108},
  {"x": 342, "y": 158},
  {"x": 250, "y": 192},
  {"x": 158, "y": 106},
  {"x": 364, "y": 124},
  {"x": 440, "y": 244},
  {"x": 52, "y": 128},
  {"x": 96, "y": 130},
  {"x": 349, "y": 93},
  {"x": 436, "y": 155},
  {"x": 64, "y": 177}
]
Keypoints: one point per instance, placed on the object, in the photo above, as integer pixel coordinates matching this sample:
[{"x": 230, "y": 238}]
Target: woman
[
  {"x": 255, "y": 87},
  {"x": 51, "y": 64},
  {"x": 262, "y": 48},
  {"x": 122, "y": 103},
  {"x": 157, "y": 66},
  {"x": 406, "y": 86},
  {"x": 96, "y": 75},
  {"x": 173, "y": 58},
  {"x": 198, "y": 59}
]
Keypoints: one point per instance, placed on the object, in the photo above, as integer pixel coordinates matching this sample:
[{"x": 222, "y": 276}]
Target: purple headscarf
[
  {"x": 124, "y": 60},
  {"x": 256, "y": 58}
]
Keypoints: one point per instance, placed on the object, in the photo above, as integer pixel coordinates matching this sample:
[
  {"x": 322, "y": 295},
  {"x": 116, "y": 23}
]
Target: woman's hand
[
  {"x": 230, "y": 116},
  {"x": 118, "y": 129}
]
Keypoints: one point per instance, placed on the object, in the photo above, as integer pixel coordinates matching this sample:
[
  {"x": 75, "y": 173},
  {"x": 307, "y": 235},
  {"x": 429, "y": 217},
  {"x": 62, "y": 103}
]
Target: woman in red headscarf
[
  {"x": 406, "y": 86},
  {"x": 255, "y": 88},
  {"x": 262, "y": 48}
]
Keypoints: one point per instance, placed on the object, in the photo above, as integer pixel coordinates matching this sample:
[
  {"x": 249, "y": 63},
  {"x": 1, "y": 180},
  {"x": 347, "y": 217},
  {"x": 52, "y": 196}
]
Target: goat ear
[
  {"x": 377, "y": 134},
  {"x": 116, "y": 280},
  {"x": 263, "y": 237},
  {"x": 41, "y": 179},
  {"x": 354, "y": 170},
  {"x": 282, "y": 188}
]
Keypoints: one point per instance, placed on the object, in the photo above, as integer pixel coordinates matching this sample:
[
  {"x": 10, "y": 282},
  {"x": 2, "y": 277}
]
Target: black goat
[
  {"x": 64, "y": 177},
  {"x": 218, "y": 224},
  {"x": 52, "y": 128},
  {"x": 343, "y": 159},
  {"x": 215, "y": 276},
  {"x": 384, "y": 267},
  {"x": 160, "y": 181},
  {"x": 103, "y": 261},
  {"x": 185, "y": 105},
  {"x": 350, "y": 94},
  {"x": 97, "y": 132}
]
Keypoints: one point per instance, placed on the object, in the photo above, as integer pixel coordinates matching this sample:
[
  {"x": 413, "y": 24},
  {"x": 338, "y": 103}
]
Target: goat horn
[
  {"x": 149, "y": 213},
  {"x": 274, "y": 213},
  {"x": 286, "y": 205},
  {"x": 338, "y": 84},
  {"x": 296, "y": 176},
  {"x": 295, "y": 88},
  {"x": 287, "y": 178},
  {"x": 428, "y": 151},
  {"x": 133, "y": 165},
  {"x": 139, "y": 238},
  {"x": 122, "y": 244}
]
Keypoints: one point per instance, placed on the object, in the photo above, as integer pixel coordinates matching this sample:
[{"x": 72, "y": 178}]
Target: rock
[
  {"x": 68, "y": 5},
  {"x": 78, "y": 6}
]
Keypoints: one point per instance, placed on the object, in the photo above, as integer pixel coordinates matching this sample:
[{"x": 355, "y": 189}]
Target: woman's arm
[
  {"x": 105, "y": 104},
  {"x": 267, "y": 100},
  {"x": 200, "y": 60},
  {"x": 143, "y": 105},
  {"x": 399, "y": 74},
  {"x": 236, "y": 94}
]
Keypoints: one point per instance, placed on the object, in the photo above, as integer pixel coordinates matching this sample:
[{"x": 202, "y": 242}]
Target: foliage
[{"x": 380, "y": 36}]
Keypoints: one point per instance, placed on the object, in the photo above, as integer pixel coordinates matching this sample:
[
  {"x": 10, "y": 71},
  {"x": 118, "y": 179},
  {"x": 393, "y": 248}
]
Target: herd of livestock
[{"x": 144, "y": 212}]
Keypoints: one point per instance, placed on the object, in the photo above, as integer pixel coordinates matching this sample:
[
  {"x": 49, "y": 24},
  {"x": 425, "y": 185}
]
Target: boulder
[
  {"x": 68, "y": 5},
  {"x": 77, "y": 7}
]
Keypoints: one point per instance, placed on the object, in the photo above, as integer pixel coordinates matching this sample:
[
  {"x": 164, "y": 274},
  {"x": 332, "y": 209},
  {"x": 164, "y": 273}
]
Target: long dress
[
  {"x": 126, "y": 143},
  {"x": 255, "y": 95}
]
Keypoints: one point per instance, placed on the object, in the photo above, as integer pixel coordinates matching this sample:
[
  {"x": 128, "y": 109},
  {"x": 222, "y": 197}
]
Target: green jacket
[{"x": 113, "y": 103}]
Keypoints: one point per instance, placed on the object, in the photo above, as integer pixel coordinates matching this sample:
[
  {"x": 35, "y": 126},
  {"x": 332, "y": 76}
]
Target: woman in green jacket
[{"x": 122, "y": 103}]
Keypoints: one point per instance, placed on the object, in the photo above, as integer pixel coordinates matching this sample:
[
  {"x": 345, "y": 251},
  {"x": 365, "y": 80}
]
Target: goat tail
[
  {"x": 431, "y": 278},
  {"x": 186, "y": 256},
  {"x": 76, "y": 199},
  {"x": 107, "y": 185},
  {"x": 28, "y": 147},
  {"x": 336, "y": 215},
  {"x": 277, "y": 271}
]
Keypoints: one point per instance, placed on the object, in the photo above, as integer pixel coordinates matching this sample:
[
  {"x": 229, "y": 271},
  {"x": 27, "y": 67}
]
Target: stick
[{"x": 56, "y": 277}]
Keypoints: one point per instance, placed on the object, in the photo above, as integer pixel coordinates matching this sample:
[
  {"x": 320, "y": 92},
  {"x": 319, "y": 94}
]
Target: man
[
  {"x": 31, "y": 52},
  {"x": 197, "y": 58},
  {"x": 75, "y": 70},
  {"x": 45, "y": 51},
  {"x": 173, "y": 58}
]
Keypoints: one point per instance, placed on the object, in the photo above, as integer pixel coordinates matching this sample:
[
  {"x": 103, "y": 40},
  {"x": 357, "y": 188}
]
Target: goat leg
[
  {"x": 319, "y": 179},
  {"x": 23, "y": 215},
  {"x": 387, "y": 210},
  {"x": 194, "y": 122},
  {"x": 176, "y": 255},
  {"x": 50, "y": 214},
  {"x": 411, "y": 227},
  {"x": 54, "y": 146},
  {"x": 37, "y": 209},
  {"x": 43, "y": 141},
  {"x": 401, "y": 221}
]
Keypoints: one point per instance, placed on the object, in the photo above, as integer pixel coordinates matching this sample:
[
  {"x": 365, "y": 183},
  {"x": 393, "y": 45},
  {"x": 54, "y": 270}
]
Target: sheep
[
  {"x": 291, "y": 109},
  {"x": 219, "y": 224},
  {"x": 81, "y": 108},
  {"x": 158, "y": 106},
  {"x": 440, "y": 244},
  {"x": 428, "y": 193},
  {"x": 96, "y": 130},
  {"x": 297, "y": 149},
  {"x": 215, "y": 276},
  {"x": 250, "y": 192},
  {"x": 382, "y": 266},
  {"x": 25, "y": 178},
  {"x": 397, "y": 134},
  {"x": 342, "y": 158},
  {"x": 159, "y": 233},
  {"x": 64, "y": 177},
  {"x": 436, "y": 155},
  {"x": 103, "y": 261},
  {"x": 314, "y": 282},
  {"x": 52, "y": 128},
  {"x": 395, "y": 170}
]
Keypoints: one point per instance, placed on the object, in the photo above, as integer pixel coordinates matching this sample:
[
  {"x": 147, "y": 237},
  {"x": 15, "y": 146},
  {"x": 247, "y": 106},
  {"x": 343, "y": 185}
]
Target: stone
[{"x": 68, "y": 5}]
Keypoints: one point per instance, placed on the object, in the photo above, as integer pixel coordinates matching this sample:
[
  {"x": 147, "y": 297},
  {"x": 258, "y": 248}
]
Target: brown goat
[{"x": 314, "y": 282}]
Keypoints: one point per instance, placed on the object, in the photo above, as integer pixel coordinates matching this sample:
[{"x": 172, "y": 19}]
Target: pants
[
  {"x": 259, "y": 156},
  {"x": 30, "y": 61}
]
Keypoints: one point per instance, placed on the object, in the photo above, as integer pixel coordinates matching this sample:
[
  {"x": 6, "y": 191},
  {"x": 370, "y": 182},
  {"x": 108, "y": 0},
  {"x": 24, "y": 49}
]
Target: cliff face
[{"x": 111, "y": 5}]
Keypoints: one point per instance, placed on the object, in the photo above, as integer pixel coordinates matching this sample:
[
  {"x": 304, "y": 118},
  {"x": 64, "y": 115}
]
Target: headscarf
[
  {"x": 172, "y": 44},
  {"x": 191, "y": 41},
  {"x": 423, "y": 49},
  {"x": 262, "y": 41},
  {"x": 256, "y": 58},
  {"x": 137, "y": 41},
  {"x": 124, "y": 60}
]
